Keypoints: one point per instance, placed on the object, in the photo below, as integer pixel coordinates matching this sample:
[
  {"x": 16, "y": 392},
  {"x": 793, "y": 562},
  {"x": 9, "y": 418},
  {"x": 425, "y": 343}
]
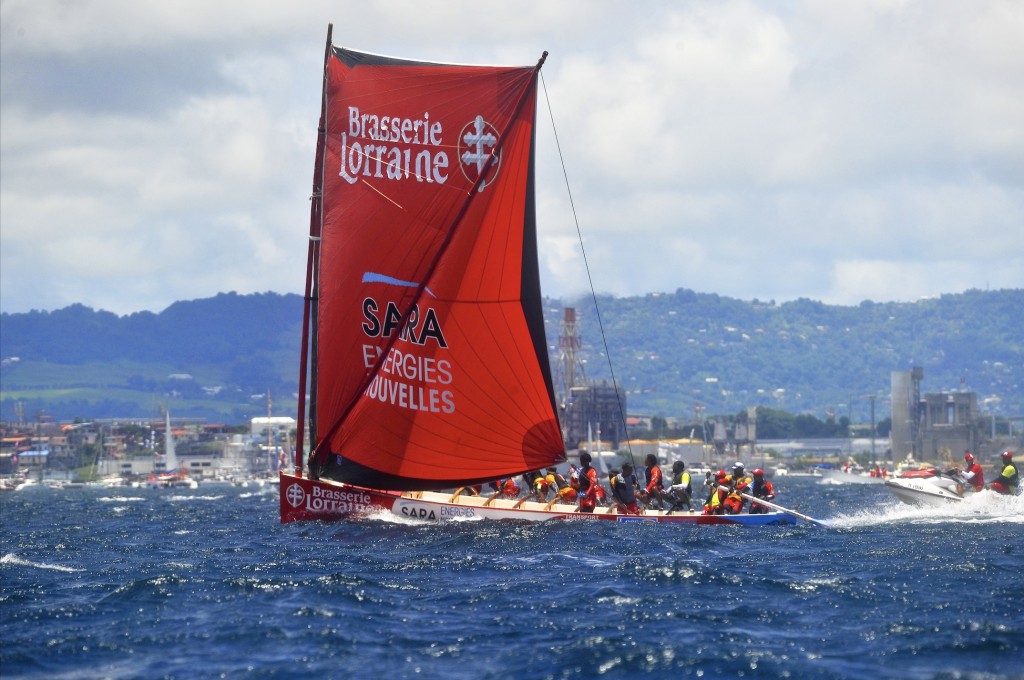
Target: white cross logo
[
  {"x": 295, "y": 495},
  {"x": 476, "y": 139}
]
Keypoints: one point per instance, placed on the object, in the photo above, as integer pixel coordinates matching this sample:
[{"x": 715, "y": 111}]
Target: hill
[
  {"x": 672, "y": 351},
  {"x": 219, "y": 358}
]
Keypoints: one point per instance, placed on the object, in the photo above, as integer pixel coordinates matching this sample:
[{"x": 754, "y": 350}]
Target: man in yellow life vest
[
  {"x": 714, "y": 504},
  {"x": 562, "y": 488},
  {"x": 1007, "y": 479},
  {"x": 680, "y": 489}
]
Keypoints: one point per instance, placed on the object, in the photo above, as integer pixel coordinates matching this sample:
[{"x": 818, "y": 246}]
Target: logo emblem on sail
[{"x": 476, "y": 142}]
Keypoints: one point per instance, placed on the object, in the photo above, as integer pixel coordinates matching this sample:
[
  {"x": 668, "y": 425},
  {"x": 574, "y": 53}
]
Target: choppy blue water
[{"x": 182, "y": 584}]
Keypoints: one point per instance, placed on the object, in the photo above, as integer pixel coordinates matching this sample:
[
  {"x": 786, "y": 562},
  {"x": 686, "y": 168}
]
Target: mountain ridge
[{"x": 233, "y": 356}]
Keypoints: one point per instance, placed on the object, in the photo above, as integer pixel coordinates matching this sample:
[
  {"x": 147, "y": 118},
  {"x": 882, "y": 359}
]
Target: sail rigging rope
[{"x": 586, "y": 264}]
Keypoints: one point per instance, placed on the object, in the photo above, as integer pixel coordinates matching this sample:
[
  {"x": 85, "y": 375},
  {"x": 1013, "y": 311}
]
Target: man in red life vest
[
  {"x": 973, "y": 473},
  {"x": 588, "y": 486},
  {"x": 506, "y": 487},
  {"x": 1006, "y": 482},
  {"x": 654, "y": 487},
  {"x": 762, "y": 488}
]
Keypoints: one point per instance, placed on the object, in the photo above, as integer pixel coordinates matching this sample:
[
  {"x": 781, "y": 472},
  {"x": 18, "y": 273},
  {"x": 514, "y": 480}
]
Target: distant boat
[
  {"x": 174, "y": 477},
  {"x": 849, "y": 477},
  {"x": 428, "y": 365}
]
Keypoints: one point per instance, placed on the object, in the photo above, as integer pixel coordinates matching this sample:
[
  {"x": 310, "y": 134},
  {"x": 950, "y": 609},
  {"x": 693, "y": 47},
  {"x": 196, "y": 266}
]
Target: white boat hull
[{"x": 925, "y": 491}]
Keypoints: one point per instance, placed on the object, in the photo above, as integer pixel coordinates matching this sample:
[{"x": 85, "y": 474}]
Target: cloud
[{"x": 837, "y": 151}]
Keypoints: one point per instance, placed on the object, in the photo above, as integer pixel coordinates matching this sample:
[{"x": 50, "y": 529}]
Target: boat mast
[{"x": 309, "y": 314}]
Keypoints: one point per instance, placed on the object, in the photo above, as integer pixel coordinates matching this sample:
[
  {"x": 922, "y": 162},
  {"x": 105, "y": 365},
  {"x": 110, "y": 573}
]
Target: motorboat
[
  {"x": 851, "y": 477},
  {"x": 927, "y": 487}
]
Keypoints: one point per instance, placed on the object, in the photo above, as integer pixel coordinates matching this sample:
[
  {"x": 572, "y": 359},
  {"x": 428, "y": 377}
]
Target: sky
[{"x": 839, "y": 151}]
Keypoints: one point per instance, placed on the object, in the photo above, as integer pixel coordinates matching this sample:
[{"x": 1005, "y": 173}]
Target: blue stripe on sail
[{"x": 373, "y": 277}]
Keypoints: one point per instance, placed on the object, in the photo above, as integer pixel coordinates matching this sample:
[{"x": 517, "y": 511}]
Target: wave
[
  {"x": 12, "y": 559},
  {"x": 980, "y": 508}
]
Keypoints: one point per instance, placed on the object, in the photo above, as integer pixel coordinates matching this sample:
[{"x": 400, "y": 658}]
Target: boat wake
[
  {"x": 980, "y": 508},
  {"x": 14, "y": 560}
]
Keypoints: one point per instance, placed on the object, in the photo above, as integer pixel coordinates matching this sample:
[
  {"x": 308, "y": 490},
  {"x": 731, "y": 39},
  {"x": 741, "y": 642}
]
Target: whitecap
[
  {"x": 11, "y": 558},
  {"x": 983, "y": 507}
]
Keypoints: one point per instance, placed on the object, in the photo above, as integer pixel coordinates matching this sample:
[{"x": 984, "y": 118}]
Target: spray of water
[{"x": 983, "y": 508}]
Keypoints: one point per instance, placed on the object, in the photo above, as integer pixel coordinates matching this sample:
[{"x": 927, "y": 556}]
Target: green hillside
[{"x": 218, "y": 358}]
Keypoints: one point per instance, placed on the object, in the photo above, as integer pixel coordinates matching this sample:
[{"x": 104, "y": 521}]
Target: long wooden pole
[{"x": 774, "y": 506}]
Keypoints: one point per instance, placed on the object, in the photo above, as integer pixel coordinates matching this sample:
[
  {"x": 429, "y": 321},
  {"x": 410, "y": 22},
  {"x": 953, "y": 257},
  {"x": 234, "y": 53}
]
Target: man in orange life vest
[
  {"x": 738, "y": 483},
  {"x": 588, "y": 485},
  {"x": 653, "y": 490}
]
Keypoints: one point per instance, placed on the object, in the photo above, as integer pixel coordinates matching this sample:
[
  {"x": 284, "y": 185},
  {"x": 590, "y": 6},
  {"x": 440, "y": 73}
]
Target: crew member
[
  {"x": 680, "y": 490},
  {"x": 624, "y": 490},
  {"x": 652, "y": 475},
  {"x": 588, "y": 485},
  {"x": 506, "y": 487},
  {"x": 714, "y": 504},
  {"x": 973, "y": 473},
  {"x": 763, "y": 489},
  {"x": 739, "y": 483},
  {"x": 1006, "y": 482},
  {"x": 563, "y": 490},
  {"x": 540, "y": 487}
]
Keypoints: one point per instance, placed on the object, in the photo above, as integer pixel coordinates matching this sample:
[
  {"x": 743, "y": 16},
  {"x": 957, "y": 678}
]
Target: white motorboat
[
  {"x": 928, "y": 487},
  {"x": 850, "y": 477}
]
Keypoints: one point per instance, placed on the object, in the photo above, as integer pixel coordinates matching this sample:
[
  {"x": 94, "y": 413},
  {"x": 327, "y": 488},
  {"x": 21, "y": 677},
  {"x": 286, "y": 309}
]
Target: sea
[{"x": 206, "y": 583}]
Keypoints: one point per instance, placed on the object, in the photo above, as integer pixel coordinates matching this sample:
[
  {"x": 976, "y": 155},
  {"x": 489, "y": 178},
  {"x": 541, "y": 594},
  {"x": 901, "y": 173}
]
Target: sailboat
[
  {"x": 173, "y": 477},
  {"x": 423, "y": 343}
]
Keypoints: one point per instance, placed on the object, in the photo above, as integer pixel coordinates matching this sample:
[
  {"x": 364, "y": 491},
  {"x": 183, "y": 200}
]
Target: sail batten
[{"x": 430, "y": 365}]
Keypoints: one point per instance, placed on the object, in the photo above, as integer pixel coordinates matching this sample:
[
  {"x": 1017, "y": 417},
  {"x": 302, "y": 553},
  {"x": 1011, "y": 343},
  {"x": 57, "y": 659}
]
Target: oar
[{"x": 773, "y": 506}]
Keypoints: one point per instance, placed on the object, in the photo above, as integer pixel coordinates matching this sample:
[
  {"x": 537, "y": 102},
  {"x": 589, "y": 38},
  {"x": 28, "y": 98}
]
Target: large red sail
[{"x": 431, "y": 361}]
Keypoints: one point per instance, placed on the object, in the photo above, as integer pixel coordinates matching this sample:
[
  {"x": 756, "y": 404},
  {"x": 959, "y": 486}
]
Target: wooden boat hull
[{"x": 307, "y": 499}]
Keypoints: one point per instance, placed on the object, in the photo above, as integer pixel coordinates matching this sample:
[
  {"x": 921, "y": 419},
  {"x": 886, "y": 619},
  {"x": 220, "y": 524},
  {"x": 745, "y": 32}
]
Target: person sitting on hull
[
  {"x": 715, "y": 505},
  {"x": 1006, "y": 482},
  {"x": 587, "y": 483},
  {"x": 973, "y": 474},
  {"x": 557, "y": 482},
  {"x": 680, "y": 491},
  {"x": 540, "y": 487},
  {"x": 624, "y": 490},
  {"x": 506, "y": 487},
  {"x": 652, "y": 492},
  {"x": 738, "y": 484},
  {"x": 763, "y": 489}
]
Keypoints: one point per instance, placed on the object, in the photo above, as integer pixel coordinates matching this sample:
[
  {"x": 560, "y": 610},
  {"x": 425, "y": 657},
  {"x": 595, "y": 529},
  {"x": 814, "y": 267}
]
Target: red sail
[{"x": 431, "y": 360}]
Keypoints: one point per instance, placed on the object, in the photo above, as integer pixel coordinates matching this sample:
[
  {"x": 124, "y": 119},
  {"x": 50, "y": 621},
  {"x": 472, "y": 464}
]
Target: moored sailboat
[{"x": 423, "y": 337}]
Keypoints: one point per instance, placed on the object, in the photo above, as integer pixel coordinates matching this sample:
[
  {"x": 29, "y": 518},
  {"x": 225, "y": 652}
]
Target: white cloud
[{"x": 838, "y": 151}]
